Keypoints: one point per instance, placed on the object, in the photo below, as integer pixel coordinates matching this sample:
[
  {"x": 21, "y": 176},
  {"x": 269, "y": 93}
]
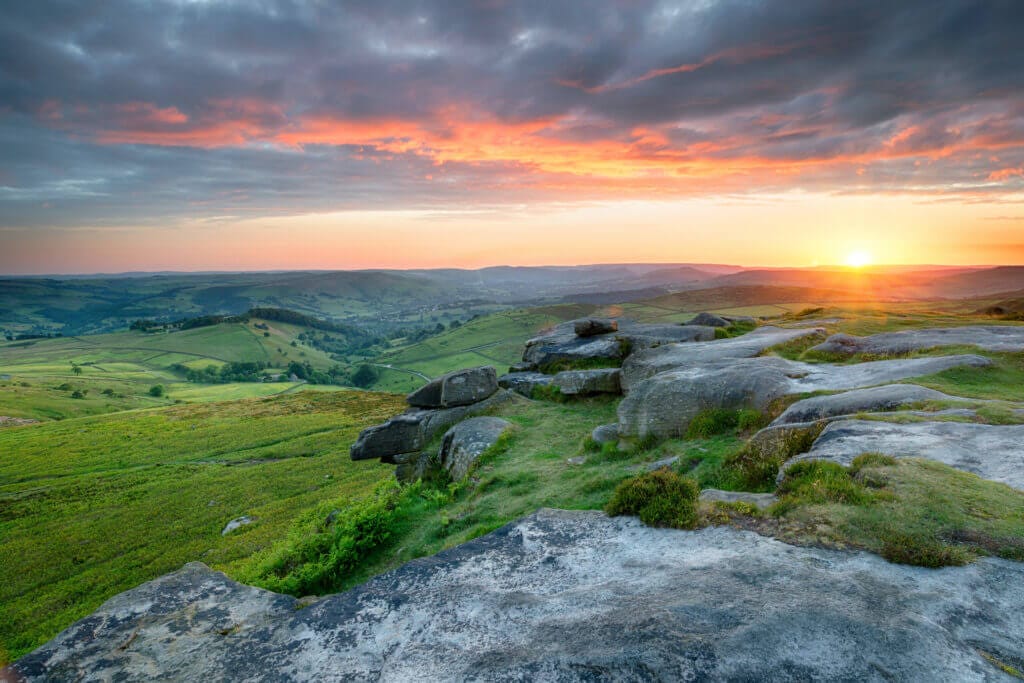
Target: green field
[
  {"x": 496, "y": 339},
  {"x": 95, "y": 505},
  {"x": 117, "y": 371}
]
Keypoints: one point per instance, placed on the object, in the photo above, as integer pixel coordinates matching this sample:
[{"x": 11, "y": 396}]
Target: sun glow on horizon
[{"x": 858, "y": 259}]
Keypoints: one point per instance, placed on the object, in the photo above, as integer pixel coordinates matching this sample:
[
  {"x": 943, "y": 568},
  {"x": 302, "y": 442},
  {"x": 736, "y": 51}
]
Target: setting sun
[{"x": 858, "y": 259}]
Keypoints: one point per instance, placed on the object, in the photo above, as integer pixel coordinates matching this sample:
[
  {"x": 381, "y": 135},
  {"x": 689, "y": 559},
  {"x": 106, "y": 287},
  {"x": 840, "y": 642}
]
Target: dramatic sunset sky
[{"x": 203, "y": 135}]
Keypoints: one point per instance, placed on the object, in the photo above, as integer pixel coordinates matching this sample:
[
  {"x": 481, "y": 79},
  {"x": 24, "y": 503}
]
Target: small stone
[
  {"x": 235, "y": 524},
  {"x": 577, "y": 460}
]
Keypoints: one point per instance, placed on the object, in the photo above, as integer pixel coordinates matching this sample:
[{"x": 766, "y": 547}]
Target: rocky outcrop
[
  {"x": 588, "y": 382},
  {"x": 873, "y": 399},
  {"x": 708, "y": 319},
  {"x": 400, "y": 434},
  {"x": 570, "y": 596},
  {"x": 459, "y": 388},
  {"x": 646, "y": 364},
  {"x": 588, "y": 327},
  {"x": 990, "y": 451},
  {"x": 663, "y": 405},
  {"x": 523, "y": 383},
  {"x": 467, "y": 441},
  {"x": 400, "y": 440},
  {"x": 987, "y": 337},
  {"x": 563, "y": 345}
]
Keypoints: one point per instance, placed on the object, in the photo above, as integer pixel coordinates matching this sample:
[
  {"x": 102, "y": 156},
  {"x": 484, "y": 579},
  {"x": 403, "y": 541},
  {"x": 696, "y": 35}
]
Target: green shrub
[
  {"x": 157, "y": 390},
  {"x": 661, "y": 498},
  {"x": 320, "y": 554}
]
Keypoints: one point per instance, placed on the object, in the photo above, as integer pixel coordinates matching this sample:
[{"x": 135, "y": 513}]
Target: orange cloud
[{"x": 1005, "y": 174}]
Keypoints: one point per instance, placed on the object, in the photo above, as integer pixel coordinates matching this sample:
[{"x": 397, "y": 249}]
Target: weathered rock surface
[
  {"x": 400, "y": 434},
  {"x": 410, "y": 431},
  {"x": 459, "y": 388},
  {"x": 467, "y": 441},
  {"x": 645, "y": 364},
  {"x": 563, "y": 344},
  {"x": 605, "y": 434},
  {"x": 664, "y": 405},
  {"x": 993, "y": 452},
  {"x": 987, "y": 337},
  {"x": 873, "y": 399},
  {"x": 589, "y": 382},
  {"x": 588, "y": 327},
  {"x": 762, "y": 501},
  {"x": 828, "y": 377},
  {"x": 708, "y": 319},
  {"x": 523, "y": 382},
  {"x": 570, "y": 596}
]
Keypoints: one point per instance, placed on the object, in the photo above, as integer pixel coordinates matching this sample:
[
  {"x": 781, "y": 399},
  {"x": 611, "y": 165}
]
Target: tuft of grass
[
  {"x": 715, "y": 421},
  {"x": 736, "y": 329},
  {"x": 548, "y": 392},
  {"x": 755, "y": 466},
  {"x": 817, "y": 482},
  {"x": 904, "y": 548},
  {"x": 661, "y": 498}
]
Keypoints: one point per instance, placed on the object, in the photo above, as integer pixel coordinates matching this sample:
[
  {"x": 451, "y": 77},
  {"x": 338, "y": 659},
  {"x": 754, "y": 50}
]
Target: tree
[
  {"x": 157, "y": 390},
  {"x": 365, "y": 376},
  {"x": 76, "y": 369}
]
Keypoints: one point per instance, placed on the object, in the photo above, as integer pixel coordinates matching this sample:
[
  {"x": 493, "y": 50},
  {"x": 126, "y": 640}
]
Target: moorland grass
[
  {"x": 93, "y": 506},
  {"x": 908, "y": 510}
]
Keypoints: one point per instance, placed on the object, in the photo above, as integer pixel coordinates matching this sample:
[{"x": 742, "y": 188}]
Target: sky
[{"x": 221, "y": 135}]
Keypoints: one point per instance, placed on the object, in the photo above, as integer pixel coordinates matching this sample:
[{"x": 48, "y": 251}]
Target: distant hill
[{"x": 382, "y": 301}]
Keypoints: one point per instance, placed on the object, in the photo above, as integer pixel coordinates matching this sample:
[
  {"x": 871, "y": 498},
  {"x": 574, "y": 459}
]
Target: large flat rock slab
[
  {"x": 646, "y": 364},
  {"x": 993, "y": 452},
  {"x": 828, "y": 377},
  {"x": 987, "y": 337},
  {"x": 874, "y": 399},
  {"x": 570, "y": 596}
]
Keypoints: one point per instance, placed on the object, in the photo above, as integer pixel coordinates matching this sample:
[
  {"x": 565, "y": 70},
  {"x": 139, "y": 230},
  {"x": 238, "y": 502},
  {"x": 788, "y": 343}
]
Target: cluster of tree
[
  {"x": 304, "y": 371},
  {"x": 10, "y": 336},
  {"x": 259, "y": 371},
  {"x": 146, "y": 326},
  {"x": 229, "y": 372}
]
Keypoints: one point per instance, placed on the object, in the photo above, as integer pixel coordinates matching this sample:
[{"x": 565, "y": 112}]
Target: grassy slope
[
  {"x": 93, "y": 506},
  {"x": 129, "y": 363},
  {"x": 495, "y": 339}
]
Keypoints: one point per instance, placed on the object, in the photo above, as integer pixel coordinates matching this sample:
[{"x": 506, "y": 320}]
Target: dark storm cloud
[{"x": 131, "y": 111}]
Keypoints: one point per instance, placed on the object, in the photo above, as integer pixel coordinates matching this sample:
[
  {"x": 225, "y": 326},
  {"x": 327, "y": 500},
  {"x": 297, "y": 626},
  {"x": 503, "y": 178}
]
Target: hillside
[
  {"x": 117, "y": 371},
  {"x": 939, "y": 395},
  {"x": 126, "y": 497}
]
